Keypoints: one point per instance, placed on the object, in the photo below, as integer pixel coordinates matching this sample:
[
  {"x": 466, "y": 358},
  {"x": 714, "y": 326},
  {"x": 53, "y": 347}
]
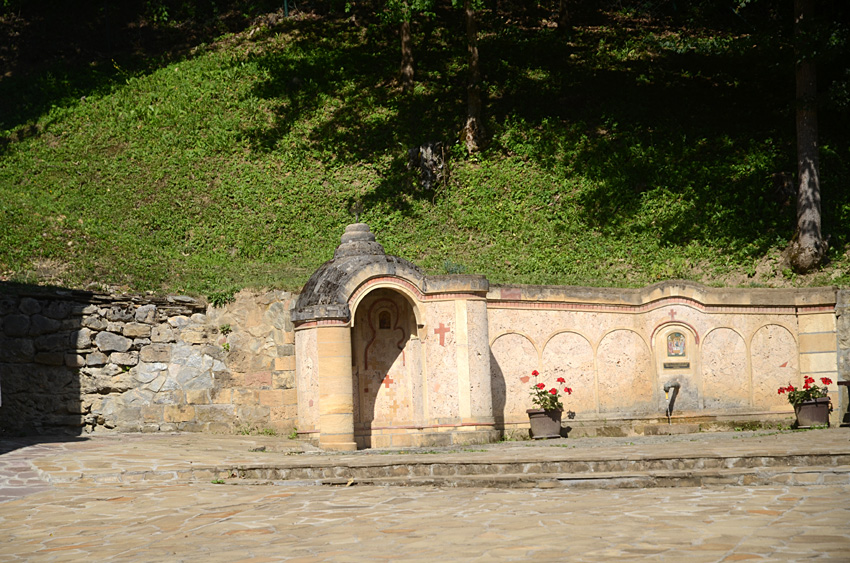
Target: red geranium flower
[
  {"x": 534, "y": 373},
  {"x": 568, "y": 391},
  {"x": 561, "y": 380},
  {"x": 541, "y": 385},
  {"x": 826, "y": 381},
  {"x": 553, "y": 391}
]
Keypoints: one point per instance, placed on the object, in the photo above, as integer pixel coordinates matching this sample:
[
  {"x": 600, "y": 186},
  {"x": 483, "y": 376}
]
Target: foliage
[
  {"x": 645, "y": 147},
  {"x": 548, "y": 399},
  {"x": 808, "y": 392}
]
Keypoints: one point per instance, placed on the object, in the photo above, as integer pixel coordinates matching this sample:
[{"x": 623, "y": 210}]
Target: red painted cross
[
  {"x": 442, "y": 332},
  {"x": 386, "y": 381},
  {"x": 672, "y": 315}
]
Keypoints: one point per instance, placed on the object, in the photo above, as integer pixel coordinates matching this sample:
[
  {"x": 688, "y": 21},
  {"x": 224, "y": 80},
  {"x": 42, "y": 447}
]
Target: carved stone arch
[
  {"x": 398, "y": 285},
  {"x": 570, "y": 355},
  {"x": 524, "y": 335},
  {"x": 513, "y": 356}
]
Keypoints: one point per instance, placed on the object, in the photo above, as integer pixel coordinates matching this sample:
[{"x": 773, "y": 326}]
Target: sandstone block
[
  {"x": 253, "y": 415},
  {"x": 283, "y": 379},
  {"x": 120, "y": 313},
  {"x": 52, "y": 342},
  {"x": 96, "y": 359},
  {"x": 286, "y": 363},
  {"x": 258, "y": 379},
  {"x": 282, "y": 414},
  {"x": 221, "y": 396},
  {"x": 198, "y": 396},
  {"x": 178, "y": 413},
  {"x": 179, "y": 321},
  {"x": 152, "y": 413},
  {"x": 80, "y": 339},
  {"x": 124, "y": 358},
  {"x": 110, "y": 342},
  {"x": 245, "y": 397},
  {"x": 57, "y": 310},
  {"x": 197, "y": 335},
  {"x": 155, "y": 353},
  {"x": 117, "y": 328},
  {"x": 29, "y": 306},
  {"x": 40, "y": 324},
  {"x": 278, "y": 316},
  {"x": 290, "y": 397},
  {"x": 94, "y": 322},
  {"x": 146, "y": 314},
  {"x": 16, "y": 325},
  {"x": 162, "y": 333},
  {"x": 50, "y": 358},
  {"x": 137, "y": 330},
  {"x": 75, "y": 360},
  {"x": 272, "y": 397},
  {"x": 171, "y": 397},
  {"x": 215, "y": 413}
]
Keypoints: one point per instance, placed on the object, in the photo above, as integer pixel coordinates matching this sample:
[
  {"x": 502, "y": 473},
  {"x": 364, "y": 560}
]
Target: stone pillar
[
  {"x": 336, "y": 392},
  {"x": 478, "y": 352},
  {"x": 818, "y": 352}
]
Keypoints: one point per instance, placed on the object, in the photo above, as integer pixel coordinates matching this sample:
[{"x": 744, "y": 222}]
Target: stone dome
[{"x": 358, "y": 258}]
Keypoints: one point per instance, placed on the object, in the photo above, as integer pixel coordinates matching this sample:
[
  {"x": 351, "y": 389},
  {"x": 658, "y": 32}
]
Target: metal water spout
[{"x": 674, "y": 385}]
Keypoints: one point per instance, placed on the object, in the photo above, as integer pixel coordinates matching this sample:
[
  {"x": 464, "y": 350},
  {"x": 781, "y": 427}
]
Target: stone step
[{"x": 790, "y": 476}]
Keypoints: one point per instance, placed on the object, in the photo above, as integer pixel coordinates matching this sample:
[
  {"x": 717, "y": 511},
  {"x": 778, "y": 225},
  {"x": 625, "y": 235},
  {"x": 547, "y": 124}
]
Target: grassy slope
[{"x": 628, "y": 154}]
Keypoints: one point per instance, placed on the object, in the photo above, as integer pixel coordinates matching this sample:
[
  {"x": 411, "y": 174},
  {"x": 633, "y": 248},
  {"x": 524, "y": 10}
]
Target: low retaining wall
[{"x": 74, "y": 362}]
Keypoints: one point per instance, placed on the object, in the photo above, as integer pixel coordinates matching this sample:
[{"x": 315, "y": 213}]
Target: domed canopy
[{"x": 358, "y": 258}]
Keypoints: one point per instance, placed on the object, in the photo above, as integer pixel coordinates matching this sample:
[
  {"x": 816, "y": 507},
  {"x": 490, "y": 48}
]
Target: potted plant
[
  {"x": 545, "y": 420},
  {"x": 811, "y": 403}
]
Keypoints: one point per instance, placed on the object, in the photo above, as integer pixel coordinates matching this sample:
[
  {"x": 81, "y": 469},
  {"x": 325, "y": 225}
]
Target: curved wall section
[
  {"x": 569, "y": 355},
  {"x": 625, "y": 374},
  {"x": 775, "y": 363},
  {"x": 513, "y": 359},
  {"x": 725, "y": 376}
]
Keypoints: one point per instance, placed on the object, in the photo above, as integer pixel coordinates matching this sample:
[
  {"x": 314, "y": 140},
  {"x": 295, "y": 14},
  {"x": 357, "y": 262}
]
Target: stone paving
[{"x": 145, "y": 519}]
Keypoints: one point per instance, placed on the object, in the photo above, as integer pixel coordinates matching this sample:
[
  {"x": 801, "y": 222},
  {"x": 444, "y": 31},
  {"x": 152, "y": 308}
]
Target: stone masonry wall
[
  {"x": 74, "y": 362},
  {"x": 842, "y": 314}
]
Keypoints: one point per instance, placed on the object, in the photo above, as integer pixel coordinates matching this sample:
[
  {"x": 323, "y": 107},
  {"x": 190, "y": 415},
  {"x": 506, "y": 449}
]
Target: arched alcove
[{"x": 386, "y": 364}]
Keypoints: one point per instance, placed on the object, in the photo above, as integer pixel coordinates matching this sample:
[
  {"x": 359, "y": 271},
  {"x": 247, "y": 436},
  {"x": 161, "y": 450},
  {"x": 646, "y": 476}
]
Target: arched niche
[
  {"x": 725, "y": 374},
  {"x": 625, "y": 374},
  {"x": 569, "y": 355},
  {"x": 513, "y": 357},
  {"x": 773, "y": 356},
  {"x": 386, "y": 363}
]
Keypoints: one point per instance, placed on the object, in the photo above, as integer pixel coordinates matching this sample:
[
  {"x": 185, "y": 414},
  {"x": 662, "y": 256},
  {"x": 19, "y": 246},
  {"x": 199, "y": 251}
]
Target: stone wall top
[{"x": 709, "y": 296}]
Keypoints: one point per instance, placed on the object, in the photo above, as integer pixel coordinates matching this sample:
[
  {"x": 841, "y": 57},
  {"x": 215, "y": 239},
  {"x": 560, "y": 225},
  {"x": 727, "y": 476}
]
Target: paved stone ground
[{"x": 144, "y": 520}]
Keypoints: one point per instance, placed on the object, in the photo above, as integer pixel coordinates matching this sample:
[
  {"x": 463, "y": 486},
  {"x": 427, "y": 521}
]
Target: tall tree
[
  {"x": 563, "y": 17},
  {"x": 808, "y": 247},
  {"x": 472, "y": 133},
  {"x": 402, "y": 12}
]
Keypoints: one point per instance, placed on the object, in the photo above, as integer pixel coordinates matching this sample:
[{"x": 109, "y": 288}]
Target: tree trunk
[
  {"x": 473, "y": 131},
  {"x": 808, "y": 247},
  {"x": 563, "y": 17},
  {"x": 406, "y": 72}
]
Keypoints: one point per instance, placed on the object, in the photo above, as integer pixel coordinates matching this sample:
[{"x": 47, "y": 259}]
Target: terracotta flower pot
[
  {"x": 812, "y": 413},
  {"x": 545, "y": 423}
]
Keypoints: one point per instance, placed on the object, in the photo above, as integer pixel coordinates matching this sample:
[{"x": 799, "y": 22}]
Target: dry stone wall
[{"x": 74, "y": 362}]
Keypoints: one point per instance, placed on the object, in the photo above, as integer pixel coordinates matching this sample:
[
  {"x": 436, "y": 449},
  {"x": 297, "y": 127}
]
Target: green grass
[{"x": 623, "y": 156}]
